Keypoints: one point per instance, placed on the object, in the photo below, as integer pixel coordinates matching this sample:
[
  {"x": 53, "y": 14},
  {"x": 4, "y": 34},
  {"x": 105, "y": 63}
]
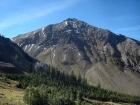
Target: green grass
[{"x": 9, "y": 94}]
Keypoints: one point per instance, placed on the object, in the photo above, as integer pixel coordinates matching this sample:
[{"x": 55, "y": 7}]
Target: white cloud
[
  {"x": 32, "y": 13},
  {"x": 135, "y": 28}
]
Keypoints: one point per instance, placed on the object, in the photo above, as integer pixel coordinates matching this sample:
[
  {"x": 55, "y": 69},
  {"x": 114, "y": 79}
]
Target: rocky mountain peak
[
  {"x": 75, "y": 33},
  {"x": 97, "y": 54},
  {"x": 73, "y": 22}
]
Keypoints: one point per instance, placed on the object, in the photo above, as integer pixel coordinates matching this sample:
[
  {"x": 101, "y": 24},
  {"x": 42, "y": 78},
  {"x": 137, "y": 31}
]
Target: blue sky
[{"x": 22, "y": 16}]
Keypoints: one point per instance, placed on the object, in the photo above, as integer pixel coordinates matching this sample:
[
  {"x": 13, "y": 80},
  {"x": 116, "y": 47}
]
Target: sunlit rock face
[{"x": 99, "y": 55}]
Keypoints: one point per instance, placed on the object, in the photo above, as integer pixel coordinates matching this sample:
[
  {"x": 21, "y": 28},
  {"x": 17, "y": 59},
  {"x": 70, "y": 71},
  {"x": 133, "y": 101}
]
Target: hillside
[
  {"x": 14, "y": 60},
  {"x": 55, "y": 88},
  {"x": 99, "y": 55}
]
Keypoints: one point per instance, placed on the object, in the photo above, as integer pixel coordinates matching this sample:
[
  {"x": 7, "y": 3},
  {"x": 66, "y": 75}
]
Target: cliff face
[{"x": 99, "y": 55}]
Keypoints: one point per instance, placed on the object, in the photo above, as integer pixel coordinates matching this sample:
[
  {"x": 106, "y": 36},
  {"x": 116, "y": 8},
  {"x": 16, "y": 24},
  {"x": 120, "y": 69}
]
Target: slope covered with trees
[{"x": 53, "y": 87}]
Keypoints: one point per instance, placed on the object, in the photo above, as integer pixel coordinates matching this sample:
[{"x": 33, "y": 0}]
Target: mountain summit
[{"x": 102, "y": 57}]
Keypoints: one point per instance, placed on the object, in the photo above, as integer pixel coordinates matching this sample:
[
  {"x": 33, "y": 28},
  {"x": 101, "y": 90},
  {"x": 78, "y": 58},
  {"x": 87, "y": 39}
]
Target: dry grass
[{"x": 9, "y": 94}]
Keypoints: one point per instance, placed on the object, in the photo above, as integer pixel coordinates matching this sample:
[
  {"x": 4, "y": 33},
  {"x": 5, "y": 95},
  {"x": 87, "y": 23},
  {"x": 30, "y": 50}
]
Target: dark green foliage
[
  {"x": 28, "y": 67},
  {"x": 5, "y": 80},
  {"x": 137, "y": 58},
  {"x": 116, "y": 61},
  {"x": 35, "y": 97},
  {"x": 96, "y": 103},
  {"x": 56, "y": 88},
  {"x": 23, "y": 80}
]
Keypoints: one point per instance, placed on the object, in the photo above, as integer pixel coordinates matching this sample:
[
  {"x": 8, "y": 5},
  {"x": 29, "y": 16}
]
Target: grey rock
[{"x": 97, "y": 54}]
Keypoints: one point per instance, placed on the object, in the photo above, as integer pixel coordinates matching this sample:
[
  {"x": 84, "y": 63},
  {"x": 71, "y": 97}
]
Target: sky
[{"x": 23, "y": 16}]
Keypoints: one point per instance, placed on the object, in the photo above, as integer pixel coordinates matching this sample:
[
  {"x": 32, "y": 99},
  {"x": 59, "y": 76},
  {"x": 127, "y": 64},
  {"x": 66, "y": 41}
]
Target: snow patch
[
  {"x": 68, "y": 30},
  {"x": 36, "y": 31},
  {"x": 53, "y": 53},
  {"x": 21, "y": 44},
  {"x": 79, "y": 53},
  {"x": 43, "y": 31},
  {"x": 64, "y": 57},
  {"x": 31, "y": 47},
  {"x": 66, "y": 22},
  {"x": 38, "y": 47},
  {"x": 13, "y": 39},
  {"x": 74, "y": 25},
  {"x": 25, "y": 47}
]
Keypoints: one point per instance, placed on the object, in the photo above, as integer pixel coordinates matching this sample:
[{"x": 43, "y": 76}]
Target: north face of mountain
[
  {"x": 13, "y": 59},
  {"x": 99, "y": 55}
]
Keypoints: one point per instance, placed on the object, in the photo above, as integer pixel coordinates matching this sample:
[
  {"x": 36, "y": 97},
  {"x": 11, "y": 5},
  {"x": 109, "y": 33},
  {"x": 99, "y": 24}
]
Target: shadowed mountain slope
[{"x": 13, "y": 59}]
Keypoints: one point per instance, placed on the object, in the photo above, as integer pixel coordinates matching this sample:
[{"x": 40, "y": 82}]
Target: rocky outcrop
[{"x": 97, "y": 54}]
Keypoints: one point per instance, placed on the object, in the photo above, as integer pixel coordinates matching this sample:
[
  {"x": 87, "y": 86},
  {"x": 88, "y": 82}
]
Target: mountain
[
  {"x": 14, "y": 60},
  {"x": 102, "y": 57}
]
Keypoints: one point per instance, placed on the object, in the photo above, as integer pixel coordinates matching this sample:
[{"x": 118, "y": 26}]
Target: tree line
[{"x": 53, "y": 87}]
